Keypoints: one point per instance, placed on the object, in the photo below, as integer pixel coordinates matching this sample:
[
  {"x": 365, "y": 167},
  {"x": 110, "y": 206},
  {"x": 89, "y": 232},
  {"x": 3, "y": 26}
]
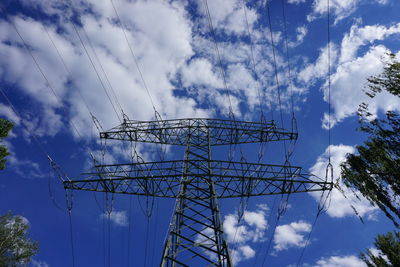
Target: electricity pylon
[{"x": 196, "y": 236}]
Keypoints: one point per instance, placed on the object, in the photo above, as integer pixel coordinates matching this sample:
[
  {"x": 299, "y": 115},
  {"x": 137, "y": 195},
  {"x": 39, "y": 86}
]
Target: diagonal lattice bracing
[
  {"x": 164, "y": 178},
  {"x": 196, "y": 235},
  {"x": 175, "y": 132}
]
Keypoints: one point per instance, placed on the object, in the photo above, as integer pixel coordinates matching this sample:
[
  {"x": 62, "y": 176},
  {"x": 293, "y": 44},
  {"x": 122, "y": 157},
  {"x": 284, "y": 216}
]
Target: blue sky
[{"x": 84, "y": 65}]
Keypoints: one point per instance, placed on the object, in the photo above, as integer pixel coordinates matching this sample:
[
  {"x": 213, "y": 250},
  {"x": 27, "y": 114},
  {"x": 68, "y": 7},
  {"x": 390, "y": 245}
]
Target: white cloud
[
  {"x": 360, "y": 36},
  {"x": 296, "y": 1},
  {"x": 378, "y": 253},
  {"x": 291, "y": 235},
  {"x": 228, "y": 15},
  {"x": 119, "y": 218},
  {"x": 7, "y": 112},
  {"x": 382, "y": 2},
  {"x": 25, "y": 168},
  {"x": 339, "y": 206},
  {"x": 200, "y": 72},
  {"x": 36, "y": 263},
  {"x": 350, "y": 77},
  {"x": 340, "y": 261},
  {"x": 339, "y": 8},
  {"x": 251, "y": 229},
  {"x": 161, "y": 46},
  {"x": 319, "y": 69},
  {"x": 348, "y": 83},
  {"x": 301, "y": 32},
  {"x": 350, "y": 71}
]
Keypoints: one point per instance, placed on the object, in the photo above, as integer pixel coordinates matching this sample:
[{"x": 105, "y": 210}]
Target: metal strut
[{"x": 196, "y": 235}]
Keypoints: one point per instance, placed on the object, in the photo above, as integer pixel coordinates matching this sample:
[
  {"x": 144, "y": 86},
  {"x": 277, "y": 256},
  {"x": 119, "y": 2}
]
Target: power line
[
  {"x": 329, "y": 82},
  {"x": 65, "y": 67},
  {"x": 123, "y": 27},
  {"x": 252, "y": 58},
  {"x": 102, "y": 69},
  {"x": 222, "y": 71},
  {"x": 47, "y": 81},
  {"x": 289, "y": 69},
  {"x": 93, "y": 66},
  {"x": 276, "y": 75}
]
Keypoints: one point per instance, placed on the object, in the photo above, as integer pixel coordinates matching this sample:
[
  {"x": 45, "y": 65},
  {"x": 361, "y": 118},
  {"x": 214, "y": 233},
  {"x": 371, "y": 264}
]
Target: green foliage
[
  {"x": 389, "y": 80},
  {"x": 5, "y": 127},
  {"x": 389, "y": 255},
  {"x": 16, "y": 249},
  {"x": 374, "y": 171}
]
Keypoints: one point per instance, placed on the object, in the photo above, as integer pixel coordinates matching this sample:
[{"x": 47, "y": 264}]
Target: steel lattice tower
[{"x": 196, "y": 235}]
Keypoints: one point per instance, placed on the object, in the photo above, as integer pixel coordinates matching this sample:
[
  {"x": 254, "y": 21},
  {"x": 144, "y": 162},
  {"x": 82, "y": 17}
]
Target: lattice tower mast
[{"x": 196, "y": 236}]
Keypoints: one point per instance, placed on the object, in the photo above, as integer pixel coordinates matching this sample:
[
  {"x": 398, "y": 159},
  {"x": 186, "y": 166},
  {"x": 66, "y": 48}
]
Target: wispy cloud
[{"x": 119, "y": 218}]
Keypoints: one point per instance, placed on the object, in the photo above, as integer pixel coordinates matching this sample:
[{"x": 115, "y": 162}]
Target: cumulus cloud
[
  {"x": 175, "y": 54},
  {"x": 339, "y": 206},
  {"x": 200, "y": 72},
  {"x": 228, "y": 15},
  {"x": 340, "y": 261},
  {"x": 161, "y": 46},
  {"x": 348, "y": 83},
  {"x": 350, "y": 69},
  {"x": 339, "y": 8},
  {"x": 319, "y": 69},
  {"x": 360, "y": 36},
  {"x": 251, "y": 229},
  {"x": 119, "y": 218},
  {"x": 291, "y": 235}
]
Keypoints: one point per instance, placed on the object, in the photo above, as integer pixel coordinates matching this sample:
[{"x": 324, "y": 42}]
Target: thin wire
[
  {"x": 147, "y": 241},
  {"x": 269, "y": 219},
  {"x": 123, "y": 27},
  {"x": 292, "y": 143},
  {"x": 71, "y": 238},
  {"x": 65, "y": 67},
  {"x": 94, "y": 67},
  {"x": 50, "y": 188},
  {"x": 109, "y": 209},
  {"x": 103, "y": 71},
  {"x": 222, "y": 71},
  {"x": 276, "y": 75},
  {"x": 36, "y": 140},
  {"x": 155, "y": 234},
  {"x": 261, "y": 150},
  {"x": 289, "y": 69},
  {"x": 48, "y": 84},
  {"x": 69, "y": 204},
  {"x": 308, "y": 239},
  {"x": 109, "y": 238},
  {"x": 104, "y": 236},
  {"x": 329, "y": 84},
  {"x": 129, "y": 230},
  {"x": 252, "y": 58},
  {"x": 281, "y": 211}
]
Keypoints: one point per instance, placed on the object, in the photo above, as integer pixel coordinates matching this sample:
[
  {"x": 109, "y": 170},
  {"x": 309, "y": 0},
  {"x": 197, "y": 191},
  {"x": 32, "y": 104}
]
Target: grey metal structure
[{"x": 196, "y": 235}]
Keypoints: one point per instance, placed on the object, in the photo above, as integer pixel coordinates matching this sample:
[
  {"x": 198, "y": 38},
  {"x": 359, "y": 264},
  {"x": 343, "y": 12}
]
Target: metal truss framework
[{"x": 196, "y": 235}]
